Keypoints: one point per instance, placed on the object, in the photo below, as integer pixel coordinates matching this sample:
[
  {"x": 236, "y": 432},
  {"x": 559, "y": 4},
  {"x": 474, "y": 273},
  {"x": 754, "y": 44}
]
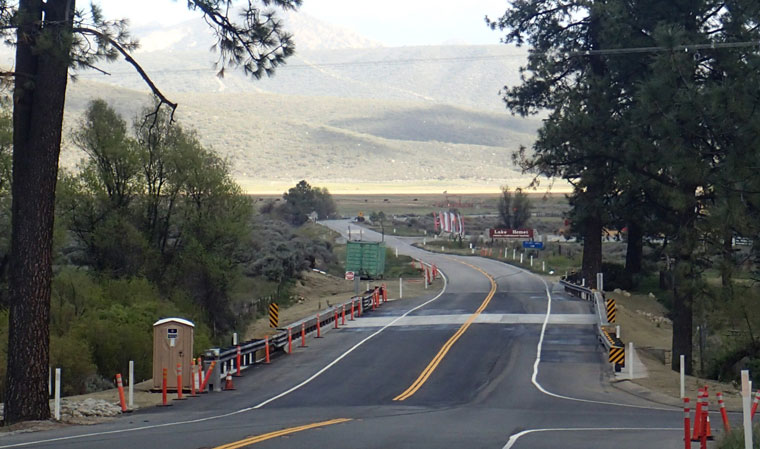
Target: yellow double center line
[
  {"x": 268, "y": 436},
  {"x": 423, "y": 377}
]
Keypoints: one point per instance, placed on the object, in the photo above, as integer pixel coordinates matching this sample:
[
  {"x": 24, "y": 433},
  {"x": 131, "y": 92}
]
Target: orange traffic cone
[
  {"x": 228, "y": 385},
  {"x": 708, "y": 432}
]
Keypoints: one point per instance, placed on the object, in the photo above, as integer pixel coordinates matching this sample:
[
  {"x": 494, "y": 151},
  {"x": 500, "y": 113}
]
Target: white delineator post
[
  {"x": 600, "y": 281},
  {"x": 747, "y": 414},
  {"x": 617, "y": 331},
  {"x": 234, "y": 339},
  {"x": 521, "y": 257},
  {"x": 131, "y": 383},
  {"x": 630, "y": 360},
  {"x": 543, "y": 265},
  {"x": 57, "y": 409},
  {"x": 531, "y": 260},
  {"x": 394, "y": 231},
  {"x": 514, "y": 253},
  {"x": 683, "y": 375},
  {"x": 400, "y": 288}
]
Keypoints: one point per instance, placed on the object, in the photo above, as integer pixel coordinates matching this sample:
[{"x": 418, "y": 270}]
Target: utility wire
[{"x": 405, "y": 61}]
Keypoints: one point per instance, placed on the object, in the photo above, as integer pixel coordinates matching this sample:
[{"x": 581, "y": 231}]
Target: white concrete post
[
  {"x": 400, "y": 288},
  {"x": 367, "y": 287},
  {"x": 531, "y": 260},
  {"x": 396, "y": 251},
  {"x": 473, "y": 250},
  {"x": 514, "y": 253},
  {"x": 234, "y": 339},
  {"x": 521, "y": 257},
  {"x": 746, "y": 400},
  {"x": 131, "y": 383},
  {"x": 630, "y": 360},
  {"x": 600, "y": 281},
  {"x": 617, "y": 331},
  {"x": 57, "y": 409},
  {"x": 442, "y": 249},
  {"x": 424, "y": 241},
  {"x": 683, "y": 376},
  {"x": 543, "y": 265},
  {"x": 470, "y": 245}
]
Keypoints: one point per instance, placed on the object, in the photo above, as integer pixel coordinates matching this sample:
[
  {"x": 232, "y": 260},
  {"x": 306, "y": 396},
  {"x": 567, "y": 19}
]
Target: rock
[
  {"x": 617, "y": 290},
  {"x": 626, "y": 294},
  {"x": 651, "y": 295}
]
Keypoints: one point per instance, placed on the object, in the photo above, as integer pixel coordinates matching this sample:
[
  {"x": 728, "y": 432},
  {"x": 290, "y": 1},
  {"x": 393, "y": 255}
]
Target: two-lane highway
[{"x": 498, "y": 359}]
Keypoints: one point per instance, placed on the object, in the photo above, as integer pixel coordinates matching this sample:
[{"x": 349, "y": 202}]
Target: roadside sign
[
  {"x": 503, "y": 233},
  {"x": 533, "y": 245},
  {"x": 349, "y": 275}
]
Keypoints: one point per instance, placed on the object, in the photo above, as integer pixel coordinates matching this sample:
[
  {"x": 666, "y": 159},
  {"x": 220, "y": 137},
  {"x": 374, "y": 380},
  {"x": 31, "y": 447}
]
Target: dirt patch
[{"x": 641, "y": 321}]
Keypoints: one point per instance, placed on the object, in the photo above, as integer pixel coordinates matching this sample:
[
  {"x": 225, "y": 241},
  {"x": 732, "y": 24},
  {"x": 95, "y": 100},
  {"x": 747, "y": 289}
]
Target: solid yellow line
[
  {"x": 431, "y": 367},
  {"x": 268, "y": 436}
]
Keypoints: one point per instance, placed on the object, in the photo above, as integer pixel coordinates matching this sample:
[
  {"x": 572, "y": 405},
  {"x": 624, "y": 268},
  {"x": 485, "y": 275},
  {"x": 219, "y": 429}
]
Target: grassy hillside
[{"x": 270, "y": 137}]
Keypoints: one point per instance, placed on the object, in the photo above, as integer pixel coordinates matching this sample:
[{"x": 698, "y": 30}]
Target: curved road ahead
[{"x": 499, "y": 359}]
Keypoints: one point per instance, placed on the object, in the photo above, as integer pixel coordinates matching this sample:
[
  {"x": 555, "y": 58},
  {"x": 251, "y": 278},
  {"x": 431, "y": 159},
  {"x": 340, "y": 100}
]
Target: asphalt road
[{"x": 511, "y": 376}]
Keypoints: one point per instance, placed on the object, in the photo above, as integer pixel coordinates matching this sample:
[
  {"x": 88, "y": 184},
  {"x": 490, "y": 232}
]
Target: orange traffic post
[
  {"x": 726, "y": 425},
  {"x": 179, "y": 382},
  {"x": 122, "y": 401},
  {"x": 266, "y": 349},
  {"x": 335, "y": 318},
  {"x": 686, "y": 424},
  {"x": 385, "y": 293},
  {"x": 303, "y": 335},
  {"x": 706, "y": 410},
  {"x": 359, "y": 307},
  {"x": 237, "y": 362},
  {"x": 754, "y": 404},
  {"x": 207, "y": 376},
  {"x": 192, "y": 377},
  {"x": 343, "y": 315},
  {"x": 697, "y": 418},
  {"x": 165, "y": 374},
  {"x": 374, "y": 299},
  {"x": 200, "y": 374},
  {"x": 703, "y": 434},
  {"x": 290, "y": 341},
  {"x": 352, "y": 310},
  {"x": 319, "y": 331}
]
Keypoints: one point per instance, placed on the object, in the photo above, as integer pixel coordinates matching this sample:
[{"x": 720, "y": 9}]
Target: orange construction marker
[
  {"x": 120, "y": 385},
  {"x": 179, "y": 382}
]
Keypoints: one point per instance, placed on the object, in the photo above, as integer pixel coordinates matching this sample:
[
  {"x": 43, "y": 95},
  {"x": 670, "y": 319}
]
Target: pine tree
[{"x": 52, "y": 37}]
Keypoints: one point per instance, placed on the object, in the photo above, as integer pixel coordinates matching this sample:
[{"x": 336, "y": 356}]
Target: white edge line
[
  {"x": 513, "y": 438},
  {"x": 534, "y": 377},
  {"x": 243, "y": 410}
]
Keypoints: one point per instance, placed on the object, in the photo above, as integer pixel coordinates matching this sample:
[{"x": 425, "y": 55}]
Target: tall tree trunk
[
  {"x": 634, "y": 249},
  {"x": 682, "y": 312},
  {"x": 40, "y": 91},
  {"x": 592, "y": 246}
]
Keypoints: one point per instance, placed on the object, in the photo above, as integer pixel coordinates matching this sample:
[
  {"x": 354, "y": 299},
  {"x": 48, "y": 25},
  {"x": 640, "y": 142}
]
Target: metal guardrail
[
  {"x": 225, "y": 359},
  {"x": 613, "y": 345}
]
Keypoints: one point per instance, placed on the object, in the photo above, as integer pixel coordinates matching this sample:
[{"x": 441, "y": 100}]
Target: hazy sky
[{"x": 391, "y": 22}]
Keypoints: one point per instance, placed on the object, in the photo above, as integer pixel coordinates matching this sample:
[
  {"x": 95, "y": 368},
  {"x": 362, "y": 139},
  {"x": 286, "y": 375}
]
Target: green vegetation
[
  {"x": 514, "y": 211},
  {"x": 152, "y": 226},
  {"x": 735, "y": 439},
  {"x": 660, "y": 145}
]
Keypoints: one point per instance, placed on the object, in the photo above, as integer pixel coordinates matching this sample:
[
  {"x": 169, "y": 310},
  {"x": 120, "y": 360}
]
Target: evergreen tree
[{"x": 50, "y": 38}]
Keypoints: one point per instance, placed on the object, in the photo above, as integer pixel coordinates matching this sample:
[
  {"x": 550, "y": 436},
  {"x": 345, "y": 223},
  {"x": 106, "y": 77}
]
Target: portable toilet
[{"x": 172, "y": 345}]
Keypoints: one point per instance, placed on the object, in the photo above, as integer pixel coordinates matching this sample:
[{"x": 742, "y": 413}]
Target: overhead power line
[{"x": 449, "y": 59}]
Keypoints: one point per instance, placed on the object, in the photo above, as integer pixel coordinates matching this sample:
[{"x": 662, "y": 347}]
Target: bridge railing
[
  {"x": 226, "y": 359},
  {"x": 606, "y": 312}
]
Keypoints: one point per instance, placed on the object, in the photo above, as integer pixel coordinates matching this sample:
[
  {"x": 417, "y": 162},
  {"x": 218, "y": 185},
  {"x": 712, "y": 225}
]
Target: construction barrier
[
  {"x": 754, "y": 404},
  {"x": 165, "y": 374}
]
